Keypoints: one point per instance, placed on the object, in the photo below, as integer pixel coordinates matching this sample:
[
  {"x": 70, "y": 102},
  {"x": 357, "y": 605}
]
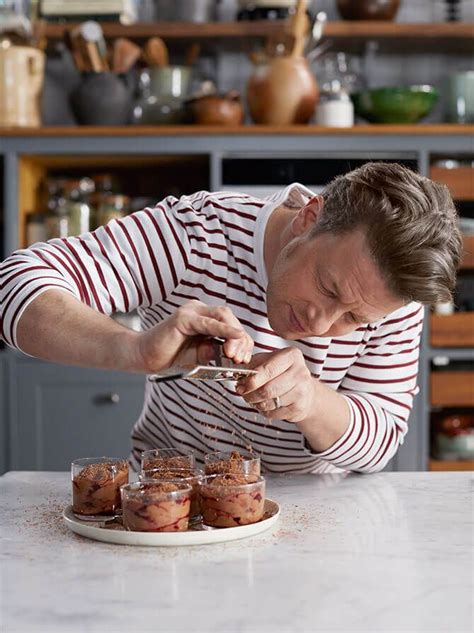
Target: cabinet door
[
  {"x": 63, "y": 413},
  {"x": 3, "y": 412}
]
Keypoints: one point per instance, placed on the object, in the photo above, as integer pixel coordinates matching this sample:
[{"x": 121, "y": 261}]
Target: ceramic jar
[{"x": 282, "y": 92}]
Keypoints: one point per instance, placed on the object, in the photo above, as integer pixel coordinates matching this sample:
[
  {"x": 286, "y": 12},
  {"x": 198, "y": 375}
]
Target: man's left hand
[{"x": 282, "y": 379}]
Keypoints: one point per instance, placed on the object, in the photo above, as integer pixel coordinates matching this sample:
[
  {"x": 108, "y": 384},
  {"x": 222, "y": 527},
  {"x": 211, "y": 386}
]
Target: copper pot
[
  {"x": 282, "y": 92},
  {"x": 216, "y": 109},
  {"x": 368, "y": 9}
]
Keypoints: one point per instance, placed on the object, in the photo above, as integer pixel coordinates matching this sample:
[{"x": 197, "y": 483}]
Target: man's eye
[
  {"x": 352, "y": 318},
  {"x": 327, "y": 292}
]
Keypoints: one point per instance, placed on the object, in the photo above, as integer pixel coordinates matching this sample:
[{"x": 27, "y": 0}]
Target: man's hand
[
  {"x": 282, "y": 378},
  {"x": 181, "y": 339}
]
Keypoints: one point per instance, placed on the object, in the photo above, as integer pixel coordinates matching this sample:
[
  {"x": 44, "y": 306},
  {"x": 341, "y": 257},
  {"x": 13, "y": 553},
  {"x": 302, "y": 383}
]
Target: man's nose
[{"x": 322, "y": 319}]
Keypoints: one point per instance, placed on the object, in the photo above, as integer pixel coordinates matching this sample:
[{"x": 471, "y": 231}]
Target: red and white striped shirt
[{"x": 209, "y": 246}]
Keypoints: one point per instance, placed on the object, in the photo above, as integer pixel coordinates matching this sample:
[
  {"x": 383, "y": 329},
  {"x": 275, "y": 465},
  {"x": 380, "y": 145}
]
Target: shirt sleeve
[
  {"x": 379, "y": 388},
  {"x": 126, "y": 264}
]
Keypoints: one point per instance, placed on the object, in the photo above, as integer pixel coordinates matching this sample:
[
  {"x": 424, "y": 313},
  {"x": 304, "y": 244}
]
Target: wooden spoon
[
  {"x": 298, "y": 28},
  {"x": 125, "y": 55},
  {"x": 192, "y": 54},
  {"x": 156, "y": 52}
]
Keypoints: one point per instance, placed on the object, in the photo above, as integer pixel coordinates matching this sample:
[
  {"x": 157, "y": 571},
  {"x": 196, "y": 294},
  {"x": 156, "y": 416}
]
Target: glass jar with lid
[
  {"x": 112, "y": 207},
  {"x": 57, "y": 219},
  {"x": 78, "y": 207},
  {"x": 105, "y": 184}
]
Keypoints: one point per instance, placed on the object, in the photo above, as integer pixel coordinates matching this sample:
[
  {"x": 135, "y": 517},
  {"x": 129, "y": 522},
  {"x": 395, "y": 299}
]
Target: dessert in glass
[
  {"x": 96, "y": 483},
  {"x": 191, "y": 476},
  {"x": 232, "y": 499},
  {"x": 156, "y": 506},
  {"x": 222, "y": 462},
  {"x": 167, "y": 458}
]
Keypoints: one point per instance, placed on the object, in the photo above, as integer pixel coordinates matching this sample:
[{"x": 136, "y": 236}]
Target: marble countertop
[{"x": 384, "y": 552}]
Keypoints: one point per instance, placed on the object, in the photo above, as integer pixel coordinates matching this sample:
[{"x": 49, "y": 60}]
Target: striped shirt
[{"x": 209, "y": 246}]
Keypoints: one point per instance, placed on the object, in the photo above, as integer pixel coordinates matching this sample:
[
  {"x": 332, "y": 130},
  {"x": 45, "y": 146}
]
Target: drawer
[
  {"x": 453, "y": 330},
  {"x": 452, "y": 388},
  {"x": 460, "y": 180}
]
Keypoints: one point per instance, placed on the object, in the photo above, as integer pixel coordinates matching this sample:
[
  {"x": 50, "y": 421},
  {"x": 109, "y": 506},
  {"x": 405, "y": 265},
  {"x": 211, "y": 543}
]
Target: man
[{"x": 326, "y": 291}]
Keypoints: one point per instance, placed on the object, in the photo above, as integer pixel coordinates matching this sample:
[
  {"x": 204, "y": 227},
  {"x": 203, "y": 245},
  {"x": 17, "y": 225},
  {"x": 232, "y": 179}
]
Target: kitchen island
[{"x": 383, "y": 552}]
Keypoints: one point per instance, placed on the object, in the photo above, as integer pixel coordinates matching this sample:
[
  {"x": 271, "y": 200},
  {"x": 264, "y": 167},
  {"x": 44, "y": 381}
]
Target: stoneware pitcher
[
  {"x": 102, "y": 99},
  {"x": 21, "y": 82},
  {"x": 283, "y": 91}
]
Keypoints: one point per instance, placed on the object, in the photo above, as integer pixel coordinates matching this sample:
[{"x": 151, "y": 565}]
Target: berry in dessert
[
  {"x": 233, "y": 462},
  {"x": 156, "y": 506},
  {"x": 167, "y": 458},
  {"x": 96, "y": 485},
  {"x": 191, "y": 476},
  {"x": 232, "y": 499}
]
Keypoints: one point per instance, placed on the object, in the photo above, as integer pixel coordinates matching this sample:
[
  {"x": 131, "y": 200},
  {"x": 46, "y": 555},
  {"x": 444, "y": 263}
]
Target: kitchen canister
[
  {"x": 335, "y": 107},
  {"x": 21, "y": 83},
  {"x": 163, "y": 92},
  {"x": 460, "y": 97}
]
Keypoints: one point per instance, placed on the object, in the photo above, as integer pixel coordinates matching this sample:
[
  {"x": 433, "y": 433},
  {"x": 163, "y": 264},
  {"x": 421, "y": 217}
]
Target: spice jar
[
  {"x": 112, "y": 207},
  {"x": 77, "y": 204},
  {"x": 335, "y": 108},
  {"x": 35, "y": 228},
  {"x": 57, "y": 219}
]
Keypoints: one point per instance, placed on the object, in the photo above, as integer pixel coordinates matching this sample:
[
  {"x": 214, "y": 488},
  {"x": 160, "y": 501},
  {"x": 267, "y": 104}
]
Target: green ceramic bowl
[{"x": 396, "y": 104}]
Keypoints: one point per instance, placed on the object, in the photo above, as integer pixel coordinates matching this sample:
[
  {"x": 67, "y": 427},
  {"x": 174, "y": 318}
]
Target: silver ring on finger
[{"x": 276, "y": 402}]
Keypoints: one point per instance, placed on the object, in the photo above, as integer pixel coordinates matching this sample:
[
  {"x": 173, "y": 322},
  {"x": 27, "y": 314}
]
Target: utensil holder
[{"x": 102, "y": 99}]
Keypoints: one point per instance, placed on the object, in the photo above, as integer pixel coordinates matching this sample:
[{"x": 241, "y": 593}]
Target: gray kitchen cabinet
[
  {"x": 62, "y": 413},
  {"x": 3, "y": 412}
]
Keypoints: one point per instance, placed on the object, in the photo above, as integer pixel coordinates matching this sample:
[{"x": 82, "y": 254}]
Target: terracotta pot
[
  {"x": 282, "y": 92},
  {"x": 216, "y": 110},
  {"x": 368, "y": 9}
]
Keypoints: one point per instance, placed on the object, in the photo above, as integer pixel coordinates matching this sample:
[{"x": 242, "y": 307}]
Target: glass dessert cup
[
  {"x": 222, "y": 462},
  {"x": 96, "y": 483},
  {"x": 167, "y": 458},
  {"x": 156, "y": 506},
  {"x": 191, "y": 476},
  {"x": 232, "y": 499}
]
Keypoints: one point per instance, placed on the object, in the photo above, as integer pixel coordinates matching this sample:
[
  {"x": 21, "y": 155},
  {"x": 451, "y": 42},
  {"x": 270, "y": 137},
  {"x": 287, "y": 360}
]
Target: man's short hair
[{"x": 410, "y": 223}]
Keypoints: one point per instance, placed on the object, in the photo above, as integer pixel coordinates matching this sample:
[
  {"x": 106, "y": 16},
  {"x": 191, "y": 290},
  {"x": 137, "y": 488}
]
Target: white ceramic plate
[{"x": 201, "y": 535}]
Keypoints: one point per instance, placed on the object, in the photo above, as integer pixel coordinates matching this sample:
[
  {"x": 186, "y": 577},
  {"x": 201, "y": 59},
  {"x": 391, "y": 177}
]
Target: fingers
[
  {"x": 282, "y": 387},
  {"x": 269, "y": 366},
  {"x": 196, "y": 318},
  {"x": 238, "y": 348}
]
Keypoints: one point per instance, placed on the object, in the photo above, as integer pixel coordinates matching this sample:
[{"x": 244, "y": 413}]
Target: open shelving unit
[{"x": 452, "y": 336}]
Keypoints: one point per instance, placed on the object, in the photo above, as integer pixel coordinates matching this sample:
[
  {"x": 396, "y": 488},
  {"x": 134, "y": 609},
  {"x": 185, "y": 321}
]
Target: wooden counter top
[{"x": 251, "y": 130}]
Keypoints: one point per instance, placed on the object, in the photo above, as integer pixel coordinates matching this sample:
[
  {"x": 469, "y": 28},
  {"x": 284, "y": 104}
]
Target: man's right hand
[{"x": 182, "y": 339}]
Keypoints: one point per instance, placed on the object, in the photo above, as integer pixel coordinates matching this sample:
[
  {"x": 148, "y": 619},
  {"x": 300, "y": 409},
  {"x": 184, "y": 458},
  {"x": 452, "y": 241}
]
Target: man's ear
[{"x": 307, "y": 216}]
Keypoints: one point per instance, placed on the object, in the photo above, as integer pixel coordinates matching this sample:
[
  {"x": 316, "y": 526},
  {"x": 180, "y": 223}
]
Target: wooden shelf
[
  {"x": 350, "y": 36},
  {"x": 452, "y": 389},
  {"x": 440, "y": 129},
  {"x": 468, "y": 257},
  {"x": 442, "y": 465},
  {"x": 459, "y": 180},
  {"x": 453, "y": 330},
  {"x": 265, "y": 28}
]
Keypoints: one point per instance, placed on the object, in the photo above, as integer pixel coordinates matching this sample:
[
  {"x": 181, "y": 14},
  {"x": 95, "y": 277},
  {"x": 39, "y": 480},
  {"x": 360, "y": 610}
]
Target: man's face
[{"x": 326, "y": 286}]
